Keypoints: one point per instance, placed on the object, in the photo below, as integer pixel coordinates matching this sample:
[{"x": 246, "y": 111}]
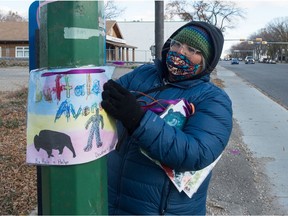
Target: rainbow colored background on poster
[{"x": 65, "y": 122}]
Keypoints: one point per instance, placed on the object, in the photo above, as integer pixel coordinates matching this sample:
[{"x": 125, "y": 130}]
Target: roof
[
  {"x": 112, "y": 29},
  {"x": 120, "y": 44},
  {"x": 14, "y": 31},
  {"x": 114, "y": 35}
]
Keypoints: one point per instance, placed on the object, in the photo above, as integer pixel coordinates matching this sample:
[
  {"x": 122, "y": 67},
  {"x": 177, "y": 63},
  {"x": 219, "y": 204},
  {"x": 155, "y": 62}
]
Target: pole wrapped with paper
[{"x": 69, "y": 34}]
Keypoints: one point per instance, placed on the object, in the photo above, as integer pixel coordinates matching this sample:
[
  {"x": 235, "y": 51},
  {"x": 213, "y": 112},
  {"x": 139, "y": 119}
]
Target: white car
[
  {"x": 272, "y": 61},
  {"x": 249, "y": 60}
]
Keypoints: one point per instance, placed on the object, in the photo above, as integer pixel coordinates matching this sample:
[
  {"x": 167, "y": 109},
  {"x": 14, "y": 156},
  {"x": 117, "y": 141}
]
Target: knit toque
[{"x": 198, "y": 38}]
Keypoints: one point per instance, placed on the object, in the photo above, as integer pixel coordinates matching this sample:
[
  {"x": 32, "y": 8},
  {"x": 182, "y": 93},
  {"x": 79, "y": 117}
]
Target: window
[{"x": 22, "y": 52}]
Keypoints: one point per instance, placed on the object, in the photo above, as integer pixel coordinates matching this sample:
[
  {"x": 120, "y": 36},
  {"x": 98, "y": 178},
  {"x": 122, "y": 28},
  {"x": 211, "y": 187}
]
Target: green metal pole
[{"x": 71, "y": 35}]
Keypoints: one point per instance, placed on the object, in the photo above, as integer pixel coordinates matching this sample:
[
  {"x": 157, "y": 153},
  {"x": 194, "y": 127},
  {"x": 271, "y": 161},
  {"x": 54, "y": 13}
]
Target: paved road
[
  {"x": 272, "y": 79},
  {"x": 13, "y": 78}
]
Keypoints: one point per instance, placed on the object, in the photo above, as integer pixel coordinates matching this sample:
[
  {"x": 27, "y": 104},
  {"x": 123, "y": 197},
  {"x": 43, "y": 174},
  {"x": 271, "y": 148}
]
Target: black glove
[{"x": 122, "y": 105}]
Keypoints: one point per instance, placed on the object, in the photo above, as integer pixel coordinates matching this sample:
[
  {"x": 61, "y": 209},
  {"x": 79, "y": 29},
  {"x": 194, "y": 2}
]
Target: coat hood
[{"x": 217, "y": 46}]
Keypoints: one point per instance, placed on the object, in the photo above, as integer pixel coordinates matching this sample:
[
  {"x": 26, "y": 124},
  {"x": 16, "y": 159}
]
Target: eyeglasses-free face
[{"x": 186, "y": 50}]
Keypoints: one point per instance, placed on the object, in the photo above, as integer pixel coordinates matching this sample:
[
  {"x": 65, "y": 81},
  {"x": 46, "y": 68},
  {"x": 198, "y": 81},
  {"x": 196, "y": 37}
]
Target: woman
[{"x": 136, "y": 184}]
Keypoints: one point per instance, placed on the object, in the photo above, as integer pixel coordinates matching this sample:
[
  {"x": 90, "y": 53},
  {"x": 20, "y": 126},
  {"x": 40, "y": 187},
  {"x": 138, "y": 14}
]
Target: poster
[{"x": 65, "y": 122}]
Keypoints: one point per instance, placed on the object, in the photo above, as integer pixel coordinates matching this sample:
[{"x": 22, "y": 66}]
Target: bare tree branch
[
  {"x": 11, "y": 16},
  {"x": 112, "y": 11},
  {"x": 177, "y": 8},
  {"x": 275, "y": 31},
  {"x": 223, "y": 14}
]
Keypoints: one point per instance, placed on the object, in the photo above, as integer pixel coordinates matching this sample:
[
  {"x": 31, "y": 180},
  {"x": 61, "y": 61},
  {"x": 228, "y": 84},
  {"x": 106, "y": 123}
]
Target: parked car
[
  {"x": 272, "y": 61},
  {"x": 234, "y": 61},
  {"x": 263, "y": 60},
  {"x": 249, "y": 60}
]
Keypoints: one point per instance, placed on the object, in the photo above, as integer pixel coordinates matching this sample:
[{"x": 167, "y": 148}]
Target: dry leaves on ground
[{"x": 18, "y": 194}]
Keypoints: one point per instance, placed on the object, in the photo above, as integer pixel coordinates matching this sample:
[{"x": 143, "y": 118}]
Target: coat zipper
[{"x": 165, "y": 196}]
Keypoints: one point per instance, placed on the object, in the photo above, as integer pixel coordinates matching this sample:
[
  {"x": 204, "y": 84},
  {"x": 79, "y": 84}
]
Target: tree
[
  {"x": 278, "y": 27},
  {"x": 11, "y": 16},
  {"x": 223, "y": 14},
  {"x": 275, "y": 32},
  {"x": 112, "y": 11},
  {"x": 243, "y": 49}
]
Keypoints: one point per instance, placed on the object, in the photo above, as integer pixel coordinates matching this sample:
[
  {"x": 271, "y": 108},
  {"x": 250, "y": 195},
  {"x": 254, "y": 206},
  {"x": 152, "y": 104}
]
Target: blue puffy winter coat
[{"x": 138, "y": 186}]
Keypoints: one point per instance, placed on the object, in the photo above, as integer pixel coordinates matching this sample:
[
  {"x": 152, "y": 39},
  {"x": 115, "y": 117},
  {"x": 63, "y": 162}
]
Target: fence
[
  {"x": 11, "y": 61},
  {"x": 141, "y": 56}
]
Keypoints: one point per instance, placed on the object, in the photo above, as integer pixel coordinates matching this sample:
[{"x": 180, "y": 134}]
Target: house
[
  {"x": 14, "y": 42},
  {"x": 116, "y": 47}
]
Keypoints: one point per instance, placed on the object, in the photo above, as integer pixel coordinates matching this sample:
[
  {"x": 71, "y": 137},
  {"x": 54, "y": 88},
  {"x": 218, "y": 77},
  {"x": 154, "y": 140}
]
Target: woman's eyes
[{"x": 192, "y": 50}]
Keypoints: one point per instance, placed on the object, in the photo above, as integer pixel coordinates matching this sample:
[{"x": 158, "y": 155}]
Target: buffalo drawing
[{"x": 49, "y": 140}]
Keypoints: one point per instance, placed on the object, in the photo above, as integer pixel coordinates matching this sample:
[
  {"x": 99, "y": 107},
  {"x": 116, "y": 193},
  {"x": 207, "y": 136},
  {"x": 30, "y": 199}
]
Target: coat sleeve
[{"x": 203, "y": 138}]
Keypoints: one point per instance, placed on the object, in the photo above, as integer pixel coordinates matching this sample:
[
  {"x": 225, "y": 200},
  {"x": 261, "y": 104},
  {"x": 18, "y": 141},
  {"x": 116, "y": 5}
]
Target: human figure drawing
[{"x": 97, "y": 121}]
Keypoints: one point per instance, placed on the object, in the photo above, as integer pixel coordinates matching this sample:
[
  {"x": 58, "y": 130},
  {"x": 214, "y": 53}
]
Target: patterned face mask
[{"x": 180, "y": 67}]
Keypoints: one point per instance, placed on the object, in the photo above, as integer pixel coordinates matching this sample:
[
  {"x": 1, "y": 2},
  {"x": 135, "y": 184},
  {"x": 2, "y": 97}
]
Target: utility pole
[
  {"x": 67, "y": 38},
  {"x": 159, "y": 27}
]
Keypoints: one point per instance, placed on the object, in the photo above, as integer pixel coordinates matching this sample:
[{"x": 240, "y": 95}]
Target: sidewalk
[{"x": 263, "y": 123}]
